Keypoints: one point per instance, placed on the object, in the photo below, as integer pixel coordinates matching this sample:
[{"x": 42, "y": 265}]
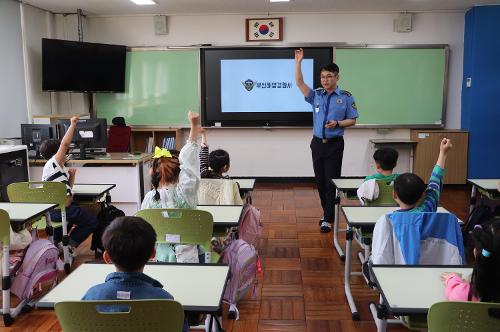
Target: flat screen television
[
  {"x": 255, "y": 86},
  {"x": 82, "y": 67}
]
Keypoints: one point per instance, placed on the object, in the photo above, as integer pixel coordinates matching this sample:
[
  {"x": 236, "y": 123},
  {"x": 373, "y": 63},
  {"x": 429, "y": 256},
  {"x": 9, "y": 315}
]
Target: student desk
[
  {"x": 91, "y": 192},
  {"x": 198, "y": 287},
  {"x": 246, "y": 187},
  {"x": 362, "y": 217},
  {"x": 409, "y": 290},
  {"x": 224, "y": 215},
  {"x": 130, "y": 173},
  {"x": 20, "y": 214},
  {"x": 343, "y": 185},
  {"x": 486, "y": 187}
]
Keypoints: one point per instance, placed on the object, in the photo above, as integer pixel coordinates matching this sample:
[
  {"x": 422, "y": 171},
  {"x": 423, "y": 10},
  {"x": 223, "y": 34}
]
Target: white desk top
[
  {"x": 224, "y": 214},
  {"x": 368, "y": 215},
  {"x": 197, "y": 287},
  {"x": 486, "y": 184},
  {"x": 21, "y": 212},
  {"x": 245, "y": 184},
  {"x": 413, "y": 289},
  {"x": 347, "y": 183},
  {"x": 95, "y": 190}
]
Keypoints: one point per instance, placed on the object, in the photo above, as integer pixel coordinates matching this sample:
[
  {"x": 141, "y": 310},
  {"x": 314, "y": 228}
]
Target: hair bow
[{"x": 160, "y": 153}]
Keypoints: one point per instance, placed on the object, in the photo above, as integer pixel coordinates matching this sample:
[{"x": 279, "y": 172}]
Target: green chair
[
  {"x": 385, "y": 195},
  {"x": 464, "y": 316},
  {"x": 192, "y": 226},
  {"x": 45, "y": 192},
  {"x": 142, "y": 315}
]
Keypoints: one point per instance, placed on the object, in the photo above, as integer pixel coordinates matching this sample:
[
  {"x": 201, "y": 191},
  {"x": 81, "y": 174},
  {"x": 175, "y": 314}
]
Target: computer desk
[{"x": 485, "y": 187}]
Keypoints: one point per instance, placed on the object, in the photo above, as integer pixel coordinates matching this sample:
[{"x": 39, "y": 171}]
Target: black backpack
[
  {"x": 481, "y": 215},
  {"x": 107, "y": 214}
]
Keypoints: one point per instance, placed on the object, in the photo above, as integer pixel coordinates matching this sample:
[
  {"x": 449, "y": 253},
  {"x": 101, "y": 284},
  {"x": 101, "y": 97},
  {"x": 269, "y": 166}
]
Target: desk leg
[
  {"x": 473, "y": 198},
  {"x": 7, "y": 318},
  {"x": 336, "y": 222},
  {"x": 379, "y": 318},
  {"x": 347, "y": 274}
]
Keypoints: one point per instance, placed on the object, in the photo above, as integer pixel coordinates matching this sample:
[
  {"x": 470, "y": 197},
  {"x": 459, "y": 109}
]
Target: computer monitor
[
  {"x": 91, "y": 135},
  {"x": 34, "y": 134}
]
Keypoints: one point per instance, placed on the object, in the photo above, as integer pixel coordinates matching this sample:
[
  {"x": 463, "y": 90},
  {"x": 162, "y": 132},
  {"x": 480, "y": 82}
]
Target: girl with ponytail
[
  {"x": 175, "y": 176},
  {"x": 485, "y": 280}
]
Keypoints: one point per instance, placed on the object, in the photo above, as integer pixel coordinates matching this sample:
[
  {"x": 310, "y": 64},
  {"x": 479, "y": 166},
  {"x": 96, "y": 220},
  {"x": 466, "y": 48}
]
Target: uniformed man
[{"x": 333, "y": 110}]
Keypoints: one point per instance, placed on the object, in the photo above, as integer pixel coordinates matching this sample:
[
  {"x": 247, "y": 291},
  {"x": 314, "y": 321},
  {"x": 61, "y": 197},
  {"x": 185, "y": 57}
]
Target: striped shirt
[
  {"x": 432, "y": 193},
  {"x": 52, "y": 171}
]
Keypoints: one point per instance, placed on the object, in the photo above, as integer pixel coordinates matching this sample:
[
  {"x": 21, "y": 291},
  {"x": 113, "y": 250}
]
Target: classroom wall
[
  {"x": 13, "y": 110},
  {"x": 261, "y": 152}
]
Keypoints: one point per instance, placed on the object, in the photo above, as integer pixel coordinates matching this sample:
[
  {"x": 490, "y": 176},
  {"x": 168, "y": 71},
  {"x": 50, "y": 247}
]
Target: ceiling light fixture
[
  {"x": 143, "y": 2},
  {"x": 279, "y": 0}
]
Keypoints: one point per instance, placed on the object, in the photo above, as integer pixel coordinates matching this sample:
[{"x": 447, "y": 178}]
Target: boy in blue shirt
[
  {"x": 385, "y": 161},
  {"x": 129, "y": 242}
]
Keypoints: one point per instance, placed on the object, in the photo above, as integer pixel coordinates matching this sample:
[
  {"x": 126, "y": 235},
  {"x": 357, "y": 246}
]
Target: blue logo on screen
[{"x": 248, "y": 84}]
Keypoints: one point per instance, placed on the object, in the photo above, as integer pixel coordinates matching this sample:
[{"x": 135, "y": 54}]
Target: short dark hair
[
  {"x": 49, "y": 148},
  {"x": 386, "y": 158},
  {"x": 217, "y": 160},
  {"x": 129, "y": 241},
  {"x": 409, "y": 188},
  {"x": 331, "y": 67}
]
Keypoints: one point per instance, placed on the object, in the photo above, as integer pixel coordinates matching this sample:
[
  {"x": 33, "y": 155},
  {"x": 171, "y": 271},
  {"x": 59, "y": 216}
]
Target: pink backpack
[
  {"x": 250, "y": 228},
  {"x": 38, "y": 271},
  {"x": 242, "y": 260}
]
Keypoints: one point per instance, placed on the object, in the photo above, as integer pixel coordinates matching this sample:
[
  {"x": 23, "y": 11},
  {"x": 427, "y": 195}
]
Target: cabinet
[
  {"x": 427, "y": 151},
  {"x": 141, "y": 135}
]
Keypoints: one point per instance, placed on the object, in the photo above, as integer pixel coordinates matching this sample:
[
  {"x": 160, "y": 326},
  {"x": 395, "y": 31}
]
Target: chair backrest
[
  {"x": 143, "y": 315},
  {"x": 38, "y": 192},
  {"x": 119, "y": 138},
  {"x": 384, "y": 194},
  {"x": 464, "y": 316},
  {"x": 4, "y": 228},
  {"x": 193, "y": 226},
  {"x": 219, "y": 192}
]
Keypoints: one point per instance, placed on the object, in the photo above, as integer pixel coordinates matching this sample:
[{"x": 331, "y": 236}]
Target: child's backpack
[
  {"x": 250, "y": 228},
  {"x": 242, "y": 260},
  {"x": 38, "y": 271},
  {"x": 481, "y": 215},
  {"x": 107, "y": 214}
]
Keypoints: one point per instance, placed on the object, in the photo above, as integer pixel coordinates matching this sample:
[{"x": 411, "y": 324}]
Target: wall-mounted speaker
[
  {"x": 160, "y": 23},
  {"x": 403, "y": 23}
]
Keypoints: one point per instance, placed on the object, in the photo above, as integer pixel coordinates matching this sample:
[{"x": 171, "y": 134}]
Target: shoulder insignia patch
[
  {"x": 354, "y": 106},
  {"x": 345, "y": 92}
]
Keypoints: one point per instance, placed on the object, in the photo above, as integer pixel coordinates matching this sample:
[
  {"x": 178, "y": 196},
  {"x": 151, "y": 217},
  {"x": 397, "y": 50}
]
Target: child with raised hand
[
  {"x": 129, "y": 243},
  {"x": 484, "y": 284},
  {"x": 385, "y": 161},
  {"x": 55, "y": 151},
  {"x": 176, "y": 178},
  {"x": 215, "y": 164}
]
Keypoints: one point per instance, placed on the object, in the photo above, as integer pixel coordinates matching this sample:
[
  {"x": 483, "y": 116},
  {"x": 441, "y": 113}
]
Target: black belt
[{"x": 328, "y": 140}]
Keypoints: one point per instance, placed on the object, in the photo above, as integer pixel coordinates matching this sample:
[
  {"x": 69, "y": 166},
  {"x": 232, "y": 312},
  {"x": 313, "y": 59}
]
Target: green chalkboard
[
  {"x": 395, "y": 86},
  {"x": 160, "y": 87}
]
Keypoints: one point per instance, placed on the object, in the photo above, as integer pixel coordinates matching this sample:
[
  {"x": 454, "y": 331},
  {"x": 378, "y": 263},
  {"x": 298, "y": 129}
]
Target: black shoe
[
  {"x": 325, "y": 227},
  {"x": 321, "y": 221}
]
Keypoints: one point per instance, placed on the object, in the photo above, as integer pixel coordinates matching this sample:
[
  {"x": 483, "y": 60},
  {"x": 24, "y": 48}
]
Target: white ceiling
[{"x": 170, "y": 7}]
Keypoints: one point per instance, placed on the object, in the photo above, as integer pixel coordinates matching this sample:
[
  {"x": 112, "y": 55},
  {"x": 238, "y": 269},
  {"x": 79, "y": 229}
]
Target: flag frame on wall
[{"x": 264, "y": 29}]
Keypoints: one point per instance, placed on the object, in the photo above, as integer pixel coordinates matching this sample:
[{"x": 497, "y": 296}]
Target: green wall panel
[
  {"x": 394, "y": 86},
  {"x": 161, "y": 86}
]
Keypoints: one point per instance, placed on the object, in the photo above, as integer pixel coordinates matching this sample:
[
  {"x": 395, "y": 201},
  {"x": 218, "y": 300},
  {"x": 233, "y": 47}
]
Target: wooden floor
[{"x": 301, "y": 286}]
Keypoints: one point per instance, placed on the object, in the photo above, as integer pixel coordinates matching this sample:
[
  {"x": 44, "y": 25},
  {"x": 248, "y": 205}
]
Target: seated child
[
  {"x": 129, "y": 242},
  {"x": 484, "y": 285},
  {"x": 215, "y": 164},
  {"x": 54, "y": 151},
  {"x": 175, "y": 178},
  {"x": 412, "y": 195},
  {"x": 385, "y": 161}
]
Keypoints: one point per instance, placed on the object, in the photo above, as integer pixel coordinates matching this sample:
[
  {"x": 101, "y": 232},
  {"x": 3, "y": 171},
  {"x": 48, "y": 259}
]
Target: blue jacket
[{"x": 128, "y": 286}]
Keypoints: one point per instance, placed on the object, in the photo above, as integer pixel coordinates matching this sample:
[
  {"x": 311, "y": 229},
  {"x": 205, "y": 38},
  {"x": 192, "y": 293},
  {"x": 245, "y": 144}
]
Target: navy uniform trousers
[{"x": 327, "y": 164}]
